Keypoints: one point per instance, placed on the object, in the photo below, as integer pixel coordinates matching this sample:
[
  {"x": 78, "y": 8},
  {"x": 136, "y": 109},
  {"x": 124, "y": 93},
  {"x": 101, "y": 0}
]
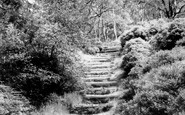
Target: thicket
[
  {"x": 156, "y": 80},
  {"x": 37, "y": 57}
]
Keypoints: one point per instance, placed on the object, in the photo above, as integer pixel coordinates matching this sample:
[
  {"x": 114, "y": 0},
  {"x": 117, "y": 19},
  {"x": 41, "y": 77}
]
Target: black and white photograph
[{"x": 92, "y": 57}]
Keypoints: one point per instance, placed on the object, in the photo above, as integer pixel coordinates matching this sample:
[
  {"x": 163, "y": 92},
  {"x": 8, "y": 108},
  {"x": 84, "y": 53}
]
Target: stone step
[
  {"x": 112, "y": 88},
  {"x": 98, "y": 100},
  {"x": 90, "y": 75},
  {"x": 95, "y": 79},
  {"x": 102, "y": 84},
  {"x": 112, "y": 95},
  {"x": 100, "y": 59},
  {"x": 99, "y": 67},
  {"x": 91, "y": 109},
  {"x": 110, "y": 50},
  {"x": 97, "y": 73},
  {"x": 101, "y": 91},
  {"x": 97, "y": 63},
  {"x": 108, "y": 60}
]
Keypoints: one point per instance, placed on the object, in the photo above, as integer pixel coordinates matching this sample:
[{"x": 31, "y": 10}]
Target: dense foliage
[
  {"x": 155, "y": 72},
  {"x": 37, "y": 57}
]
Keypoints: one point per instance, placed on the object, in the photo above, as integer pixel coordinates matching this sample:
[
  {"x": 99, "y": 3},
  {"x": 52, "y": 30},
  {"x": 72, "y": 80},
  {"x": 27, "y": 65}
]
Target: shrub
[
  {"x": 167, "y": 38},
  {"x": 164, "y": 86},
  {"x": 54, "y": 106},
  {"x": 181, "y": 42},
  {"x": 157, "y": 80},
  {"x": 164, "y": 58},
  {"x": 92, "y": 50},
  {"x": 148, "y": 103},
  {"x": 135, "y": 32},
  {"x": 137, "y": 51},
  {"x": 52, "y": 109},
  {"x": 38, "y": 67},
  {"x": 159, "y": 25}
]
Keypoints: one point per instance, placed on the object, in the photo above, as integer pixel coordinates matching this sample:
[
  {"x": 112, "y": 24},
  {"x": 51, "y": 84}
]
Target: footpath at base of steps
[{"x": 102, "y": 92}]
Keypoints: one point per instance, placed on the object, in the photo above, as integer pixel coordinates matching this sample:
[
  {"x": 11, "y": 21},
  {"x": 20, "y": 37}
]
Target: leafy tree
[{"x": 169, "y": 8}]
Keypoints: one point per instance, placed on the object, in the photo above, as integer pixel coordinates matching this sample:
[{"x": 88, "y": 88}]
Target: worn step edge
[
  {"x": 102, "y": 84},
  {"x": 112, "y": 95},
  {"x": 95, "y": 78}
]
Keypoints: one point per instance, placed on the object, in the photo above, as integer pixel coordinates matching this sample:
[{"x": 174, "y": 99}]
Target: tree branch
[{"x": 180, "y": 10}]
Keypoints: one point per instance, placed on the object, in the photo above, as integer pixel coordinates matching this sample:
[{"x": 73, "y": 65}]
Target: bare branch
[{"x": 180, "y": 10}]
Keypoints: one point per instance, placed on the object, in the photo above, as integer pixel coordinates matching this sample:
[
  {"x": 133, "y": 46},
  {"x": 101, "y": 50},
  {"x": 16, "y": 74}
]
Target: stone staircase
[{"x": 101, "y": 94}]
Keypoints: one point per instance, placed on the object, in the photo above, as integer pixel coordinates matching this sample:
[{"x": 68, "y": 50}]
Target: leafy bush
[
  {"x": 148, "y": 103},
  {"x": 181, "y": 42},
  {"x": 92, "y": 50},
  {"x": 55, "y": 106},
  {"x": 167, "y": 38},
  {"x": 40, "y": 65},
  {"x": 156, "y": 81},
  {"x": 159, "y": 24},
  {"x": 134, "y": 32},
  {"x": 158, "y": 91},
  {"x": 137, "y": 51},
  {"x": 164, "y": 58},
  {"x": 167, "y": 77}
]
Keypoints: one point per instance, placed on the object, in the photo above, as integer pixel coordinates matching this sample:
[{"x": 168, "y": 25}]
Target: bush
[
  {"x": 38, "y": 67},
  {"x": 92, "y": 50},
  {"x": 167, "y": 38},
  {"x": 158, "y": 92},
  {"x": 148, "y": 103},
  {"x": 157, "y": 80},
  {"x": 167, "y": 77},
  {"x": 137, "y": 50},
  {"x": 181, "y": 42},
  {"x": 135, "y": 32},
  {"x": 55, "y": 106},
  {"x": 164, "y": 58}
]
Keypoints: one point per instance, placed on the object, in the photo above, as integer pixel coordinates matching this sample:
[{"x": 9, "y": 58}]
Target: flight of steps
[{"x": 100, "y": 96}]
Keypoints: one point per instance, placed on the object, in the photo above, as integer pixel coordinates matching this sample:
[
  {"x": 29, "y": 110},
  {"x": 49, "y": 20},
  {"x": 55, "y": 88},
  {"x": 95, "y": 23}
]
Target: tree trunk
[
  {"x": 99, "y": 30},
  {"x": 115, "y": 32},
  {"x": 103, "y": 29}
]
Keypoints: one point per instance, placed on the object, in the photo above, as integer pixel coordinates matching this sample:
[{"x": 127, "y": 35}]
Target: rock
[
  {"x": 117, "y": 74},
  {"x": 117, "y": 62}
]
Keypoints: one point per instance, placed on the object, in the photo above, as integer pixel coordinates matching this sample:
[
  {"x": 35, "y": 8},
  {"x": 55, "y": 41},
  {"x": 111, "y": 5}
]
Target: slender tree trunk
[
  {"x": 115, "y": 32},
  {"x": 95, "y": 31},
  {"x": 103, "y": 29},
  {"x": 99, "y": 30}
]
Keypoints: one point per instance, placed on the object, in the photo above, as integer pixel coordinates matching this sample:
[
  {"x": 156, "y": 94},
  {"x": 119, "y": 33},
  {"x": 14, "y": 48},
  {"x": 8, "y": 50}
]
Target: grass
[
  {"x": 52, "y": 109},
  {"x": 55, "y": 106},
  {"x": 72, "y": 99}
]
